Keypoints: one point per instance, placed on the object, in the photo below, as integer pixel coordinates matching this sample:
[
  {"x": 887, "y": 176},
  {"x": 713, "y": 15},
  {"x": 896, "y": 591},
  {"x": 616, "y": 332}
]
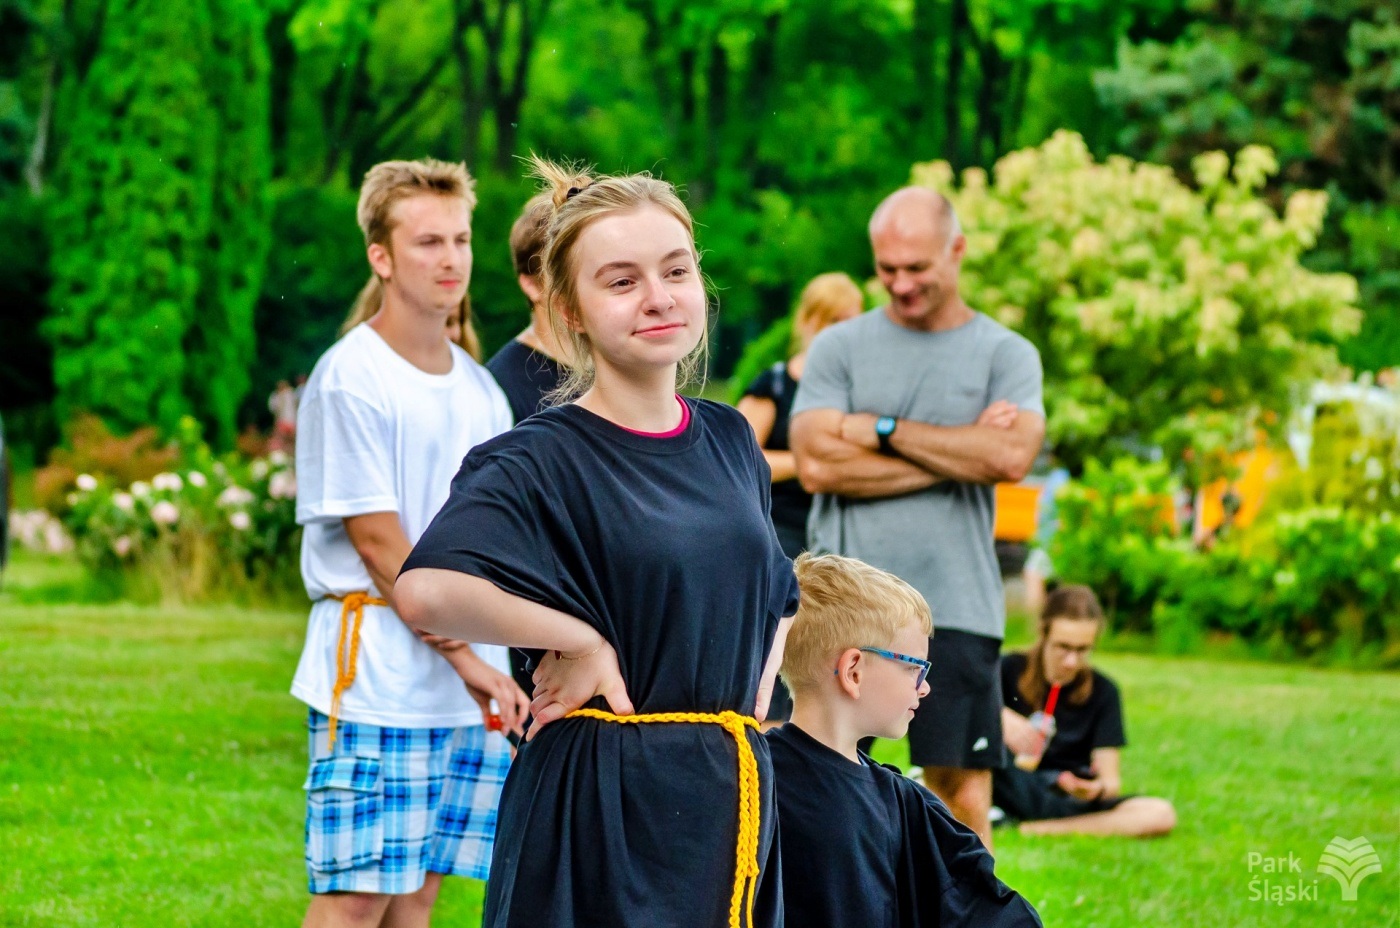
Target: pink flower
[
  {"x": 121, "y": 546},
  {"x": 283, "y": 485},
  {"x": 240, "y": 520},
  {"x": 165, "y": 513}
]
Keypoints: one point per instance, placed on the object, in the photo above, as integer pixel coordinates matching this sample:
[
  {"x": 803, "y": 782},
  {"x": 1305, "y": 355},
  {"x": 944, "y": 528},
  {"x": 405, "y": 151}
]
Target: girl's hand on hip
[{"x": 564, "y": 683}]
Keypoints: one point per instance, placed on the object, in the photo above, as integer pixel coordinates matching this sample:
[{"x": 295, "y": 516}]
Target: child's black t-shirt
[
  {"x": 864, "y": 845},
  {"x": 1097, "y": 723}
]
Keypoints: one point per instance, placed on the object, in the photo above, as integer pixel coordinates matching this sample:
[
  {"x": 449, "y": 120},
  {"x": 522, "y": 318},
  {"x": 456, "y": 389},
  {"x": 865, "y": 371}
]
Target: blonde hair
[
  {"x": 386, "y": 185},
  {"x": 845, "y": 603},
  {"x": 576, "y": 201},
  {"x": 822, "y": 299}
]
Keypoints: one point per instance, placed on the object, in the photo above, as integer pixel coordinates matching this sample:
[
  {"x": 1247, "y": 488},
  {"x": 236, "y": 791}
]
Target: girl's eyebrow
[{"x": 626, "y": 265}]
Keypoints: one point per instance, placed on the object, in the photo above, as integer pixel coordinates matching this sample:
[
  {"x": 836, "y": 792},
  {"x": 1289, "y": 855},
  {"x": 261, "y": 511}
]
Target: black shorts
[
  {"x": 958, "y": 724},
  {"x": 1032, "y": 796}
]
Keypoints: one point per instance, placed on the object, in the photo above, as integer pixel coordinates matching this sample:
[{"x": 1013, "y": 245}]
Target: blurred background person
[
  {"x": 529, "y": 367},
  {"x": 1074, "y": 783},
  {"x": 767, "y": 402}
]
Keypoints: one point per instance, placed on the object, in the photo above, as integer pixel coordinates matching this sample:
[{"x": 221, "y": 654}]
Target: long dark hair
[{"x": 1071, "y": 601}]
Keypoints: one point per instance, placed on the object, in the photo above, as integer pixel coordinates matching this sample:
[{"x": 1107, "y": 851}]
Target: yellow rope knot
[
  {"x": 351, "y": 604},
  {"x": 746, "y": 853}
]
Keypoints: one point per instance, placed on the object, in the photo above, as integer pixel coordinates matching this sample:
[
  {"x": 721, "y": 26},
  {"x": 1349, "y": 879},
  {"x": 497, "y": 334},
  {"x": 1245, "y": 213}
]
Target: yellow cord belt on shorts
[
  {"x": 746, "y": 854},
  {"x": 351, "y": 604}
]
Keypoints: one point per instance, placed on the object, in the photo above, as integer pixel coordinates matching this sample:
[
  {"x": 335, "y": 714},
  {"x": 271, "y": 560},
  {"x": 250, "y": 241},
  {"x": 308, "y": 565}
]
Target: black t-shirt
[
  {"x": 525, "y": 376},
  {"x": 664, "y": 546},
  {"x": 1098, "y": 723},
  {"x": 865, "y": 845},
  {"x": 791, "y": 503}
]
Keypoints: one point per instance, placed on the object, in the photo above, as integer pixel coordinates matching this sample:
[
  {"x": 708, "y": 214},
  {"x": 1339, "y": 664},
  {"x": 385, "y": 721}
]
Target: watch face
[{"x": 884, "y": 425}]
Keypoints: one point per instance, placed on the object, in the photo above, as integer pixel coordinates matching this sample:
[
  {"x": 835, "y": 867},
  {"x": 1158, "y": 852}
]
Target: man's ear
[
  {"x": 959, "y": 247},
  {"x": 530, "y": 286},
  {"x": 849, "y": 667},
  {"x": 380, "y": 261}
]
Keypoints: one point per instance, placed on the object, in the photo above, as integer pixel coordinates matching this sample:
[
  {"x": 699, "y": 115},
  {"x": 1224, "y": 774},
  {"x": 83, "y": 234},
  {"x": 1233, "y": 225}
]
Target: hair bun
[{"x": 562, "y": 182}]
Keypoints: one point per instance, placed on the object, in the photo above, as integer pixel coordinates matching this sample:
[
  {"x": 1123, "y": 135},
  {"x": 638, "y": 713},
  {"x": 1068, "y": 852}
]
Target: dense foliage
[
  {"x": 1318, "y": 574},
  {"x": 158, "y": 217},
  {"x": 137, "y": 143},
  {"x": 211, "y": 528},
  {"x": 1151, "y": 302}
]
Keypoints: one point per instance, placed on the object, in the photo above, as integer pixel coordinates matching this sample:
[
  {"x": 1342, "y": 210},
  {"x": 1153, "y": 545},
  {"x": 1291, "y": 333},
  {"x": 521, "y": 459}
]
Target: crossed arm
[{"x": 839, "y": 452}]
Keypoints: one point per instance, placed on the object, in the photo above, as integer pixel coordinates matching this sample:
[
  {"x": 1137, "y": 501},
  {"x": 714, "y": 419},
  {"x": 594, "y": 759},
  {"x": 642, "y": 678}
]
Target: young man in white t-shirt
[{"x": 405, "y": 776}]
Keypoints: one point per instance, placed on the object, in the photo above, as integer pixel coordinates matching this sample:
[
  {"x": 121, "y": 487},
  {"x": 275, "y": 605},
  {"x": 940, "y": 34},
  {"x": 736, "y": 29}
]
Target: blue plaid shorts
[{"x": 390, "y": 805}]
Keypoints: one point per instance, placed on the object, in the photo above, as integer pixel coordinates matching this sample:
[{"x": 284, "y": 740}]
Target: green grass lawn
[{"x": 151, "y": 764}]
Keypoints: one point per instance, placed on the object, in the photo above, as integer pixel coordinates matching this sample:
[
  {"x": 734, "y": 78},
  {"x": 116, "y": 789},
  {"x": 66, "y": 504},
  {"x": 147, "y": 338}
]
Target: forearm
[
  {"x": 782, "y": 464},
  {"x": 458, "y": 605},
  {"x": 967, "y": 453},
  {"x": 845, "y": 469}
]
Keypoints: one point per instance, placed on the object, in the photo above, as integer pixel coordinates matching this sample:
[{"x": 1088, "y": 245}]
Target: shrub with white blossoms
[
  {"x": 212, "y": 528},
  {"x": 1155, "y": 304}
]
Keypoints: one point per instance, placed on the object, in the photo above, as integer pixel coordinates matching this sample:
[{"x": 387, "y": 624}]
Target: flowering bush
[
  {"x": 1150, "y": 300},
  {"x": 211, "y": 528},
  {"x": 1321, "y": 579}
]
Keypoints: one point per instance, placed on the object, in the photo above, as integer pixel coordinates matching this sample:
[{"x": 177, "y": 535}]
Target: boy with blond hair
[
  {"x": 862, "y": 844},
  {"x": 404, "y": 776}
]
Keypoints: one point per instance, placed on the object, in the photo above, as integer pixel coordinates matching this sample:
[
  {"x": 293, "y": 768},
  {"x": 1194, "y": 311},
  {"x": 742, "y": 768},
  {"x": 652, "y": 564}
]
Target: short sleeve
[
  {"x": 1017, "y": 376},
  {"x": 345, "y": 458},
  {"x": 491, "y": 527},
  {"x": 826, "y": 377},
  {"x": 762, "y": 386},
  {"x": 1108, "y": 727}
]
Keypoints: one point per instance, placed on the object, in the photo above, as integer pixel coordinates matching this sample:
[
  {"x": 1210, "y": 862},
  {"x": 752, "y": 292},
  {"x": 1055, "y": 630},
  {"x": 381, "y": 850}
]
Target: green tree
[
  {"x": 1158, "y": 309},
  {"x": 159, "y": 213},
  {"x": 1317, "y": 82},
  {"x": 219, "y": 343},
  {"x": 132, "y": 209}
]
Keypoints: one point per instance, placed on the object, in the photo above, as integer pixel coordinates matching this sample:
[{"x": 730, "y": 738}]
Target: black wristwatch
[{"x": 884, "y": 428}]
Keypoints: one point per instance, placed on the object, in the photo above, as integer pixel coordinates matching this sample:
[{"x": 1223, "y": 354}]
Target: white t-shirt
[{"x": 377, "y": 434}]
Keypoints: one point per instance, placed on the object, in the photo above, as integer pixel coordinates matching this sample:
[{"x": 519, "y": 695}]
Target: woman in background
[{"x": 826, "y": 300}]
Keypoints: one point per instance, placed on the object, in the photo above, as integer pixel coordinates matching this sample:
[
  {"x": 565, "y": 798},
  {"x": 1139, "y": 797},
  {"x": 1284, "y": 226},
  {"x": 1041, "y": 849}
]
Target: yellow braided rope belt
[
  {"x": 746, "y": 854},
  {"x": 351, "y": 604}
]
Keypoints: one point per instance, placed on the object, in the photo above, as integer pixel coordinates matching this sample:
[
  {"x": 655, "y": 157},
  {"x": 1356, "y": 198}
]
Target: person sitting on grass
[
  {"x": 862, "y": 844},
  {"x": 1076, "y": 785}
]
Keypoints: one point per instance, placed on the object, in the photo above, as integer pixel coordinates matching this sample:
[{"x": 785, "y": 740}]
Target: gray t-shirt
[{"x": 938, "y": 540}]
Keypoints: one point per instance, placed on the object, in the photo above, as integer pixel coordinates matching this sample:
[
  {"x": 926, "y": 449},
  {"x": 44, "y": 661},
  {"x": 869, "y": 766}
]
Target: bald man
[{"x": 904, "y": 420}]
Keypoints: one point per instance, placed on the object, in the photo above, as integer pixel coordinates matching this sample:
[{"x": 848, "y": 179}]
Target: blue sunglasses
[{"x": 918, "y": 662}]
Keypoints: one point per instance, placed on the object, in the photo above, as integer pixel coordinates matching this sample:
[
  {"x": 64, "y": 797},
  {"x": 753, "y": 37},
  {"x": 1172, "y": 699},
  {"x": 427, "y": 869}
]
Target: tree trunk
[
  {"x": 468, "y": 97},
  {"x": 958, "y": 30},
  {"x": 38, "y": 151},
  {"x": 282, "y": 61},
  {"x": 717, "y": 105},
  {"x": 921, "y": 119}
]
